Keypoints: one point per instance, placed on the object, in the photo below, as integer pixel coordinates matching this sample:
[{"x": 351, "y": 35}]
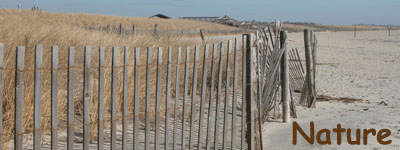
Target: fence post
[
  {"x": 355, "y": 30},
  {"x": 250, "y": 79},
  {"x": 155, "y": 29},
  {"x": 314, "y": 55},
  {"x": 120, "y": 29},
  {"x": 309, "y": 67},
  {"x": 202, "y": 35},
  {"x": 134, "y": 29},
  {"x": 285, "y": 77}
]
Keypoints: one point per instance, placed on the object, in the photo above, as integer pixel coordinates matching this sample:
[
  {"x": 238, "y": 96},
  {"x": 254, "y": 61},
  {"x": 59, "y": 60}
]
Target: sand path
[{"x": 366, "y": 67}]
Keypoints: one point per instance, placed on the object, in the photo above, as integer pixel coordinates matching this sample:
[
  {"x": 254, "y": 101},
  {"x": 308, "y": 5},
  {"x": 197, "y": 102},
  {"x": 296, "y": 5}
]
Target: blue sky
[{"x": 345, "y": 12}]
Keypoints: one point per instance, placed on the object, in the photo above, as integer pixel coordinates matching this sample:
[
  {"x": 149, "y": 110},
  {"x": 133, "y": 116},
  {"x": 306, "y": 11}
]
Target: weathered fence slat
[
  {"x": 86, "y": 99},
  {"x": 185, "y": 94},
  {"x": 260, "y": 69},
  {"x": 136, "y": 123},
  {"x": 114, "y": 84},
  {"x": 271, "y": 38},
  {"x": 1, "y": 94},
  {"x": 158, "y": 99},
  {"x": 19, "y": 96},
  {"x": 177, "y": 83},
  {"x": 285, "y": 78},
  {"x": 54, "y": 97},
  {"x": 244, "y": 84},
  {"x": 125, "y": 100},
  {"x": 219, "y": 95},
  {"x": 71, "y": 101},
  {"x": 147, "y": 132},
  {"x": 210, "y": 106},
  {"x": 234, "y": 100},
  {"x": 167, "y": 99},
  {"x": 227, "y": 90},
  {"x": 203, "y": 96},
  {"x": 250, "y": 79},
  {"x": 309, "y": 67},
  {"x": 101, "y": 85},
  {"x": 314, "y": 56},
  {"x": 194, "y": 95},
  {"x": 38, "y": 95}
]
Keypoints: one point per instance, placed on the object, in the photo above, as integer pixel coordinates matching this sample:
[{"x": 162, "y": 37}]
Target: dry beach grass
[{"x": 27, "y": 28}]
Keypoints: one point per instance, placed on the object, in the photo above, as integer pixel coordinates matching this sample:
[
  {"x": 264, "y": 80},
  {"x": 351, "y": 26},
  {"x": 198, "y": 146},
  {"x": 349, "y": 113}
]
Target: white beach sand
[{"x": 366, "y": 67}]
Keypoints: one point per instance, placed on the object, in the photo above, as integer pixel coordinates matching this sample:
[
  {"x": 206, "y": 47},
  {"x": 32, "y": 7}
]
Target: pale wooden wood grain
[
  {"x": 194, "y": 95},
  {"x": 227, "y": 93},
  {"x": 234, "y": 100},
  {"x": 86, "y": 99},
  {"x": 114, "y": 83},
  {"x": 37, "y": 134},
  {"x": 219, "y": 98},
  {"x": 125, "y": 100},
  {"x": 136, "y": 96},
  {"x": 19, "y": 97},
  {"x": 185, "y": 94},
  {"x": 177, "y": 89},
  {"x": 54, "y": 97},
  {"x": 148, "y": 102},
  {"x": 210, "y": 106},
  {"x": 158, "y": 99},
  {"x": 167, "y": 99},
  {"x": 100, "y": 132}
]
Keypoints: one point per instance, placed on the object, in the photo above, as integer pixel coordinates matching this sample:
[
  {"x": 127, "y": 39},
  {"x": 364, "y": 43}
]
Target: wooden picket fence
[
  {"x": 237, "y": 84},
  {"x": 217, "y": 119}
]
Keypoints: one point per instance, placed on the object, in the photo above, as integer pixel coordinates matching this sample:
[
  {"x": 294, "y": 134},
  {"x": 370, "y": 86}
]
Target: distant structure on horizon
[
  {"x": 224, "y": 20},
  {"x": 162, "y": 16}
]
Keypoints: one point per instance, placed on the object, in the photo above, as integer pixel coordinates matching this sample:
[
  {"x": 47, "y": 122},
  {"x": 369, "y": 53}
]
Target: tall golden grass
[{"x": 28, "y": 28}]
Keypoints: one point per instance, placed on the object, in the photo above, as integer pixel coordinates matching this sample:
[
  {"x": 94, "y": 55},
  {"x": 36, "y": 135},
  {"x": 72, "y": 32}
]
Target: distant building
[
  {"x": 224, "y": 20},
  {"x": 160, "y": 16}
]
